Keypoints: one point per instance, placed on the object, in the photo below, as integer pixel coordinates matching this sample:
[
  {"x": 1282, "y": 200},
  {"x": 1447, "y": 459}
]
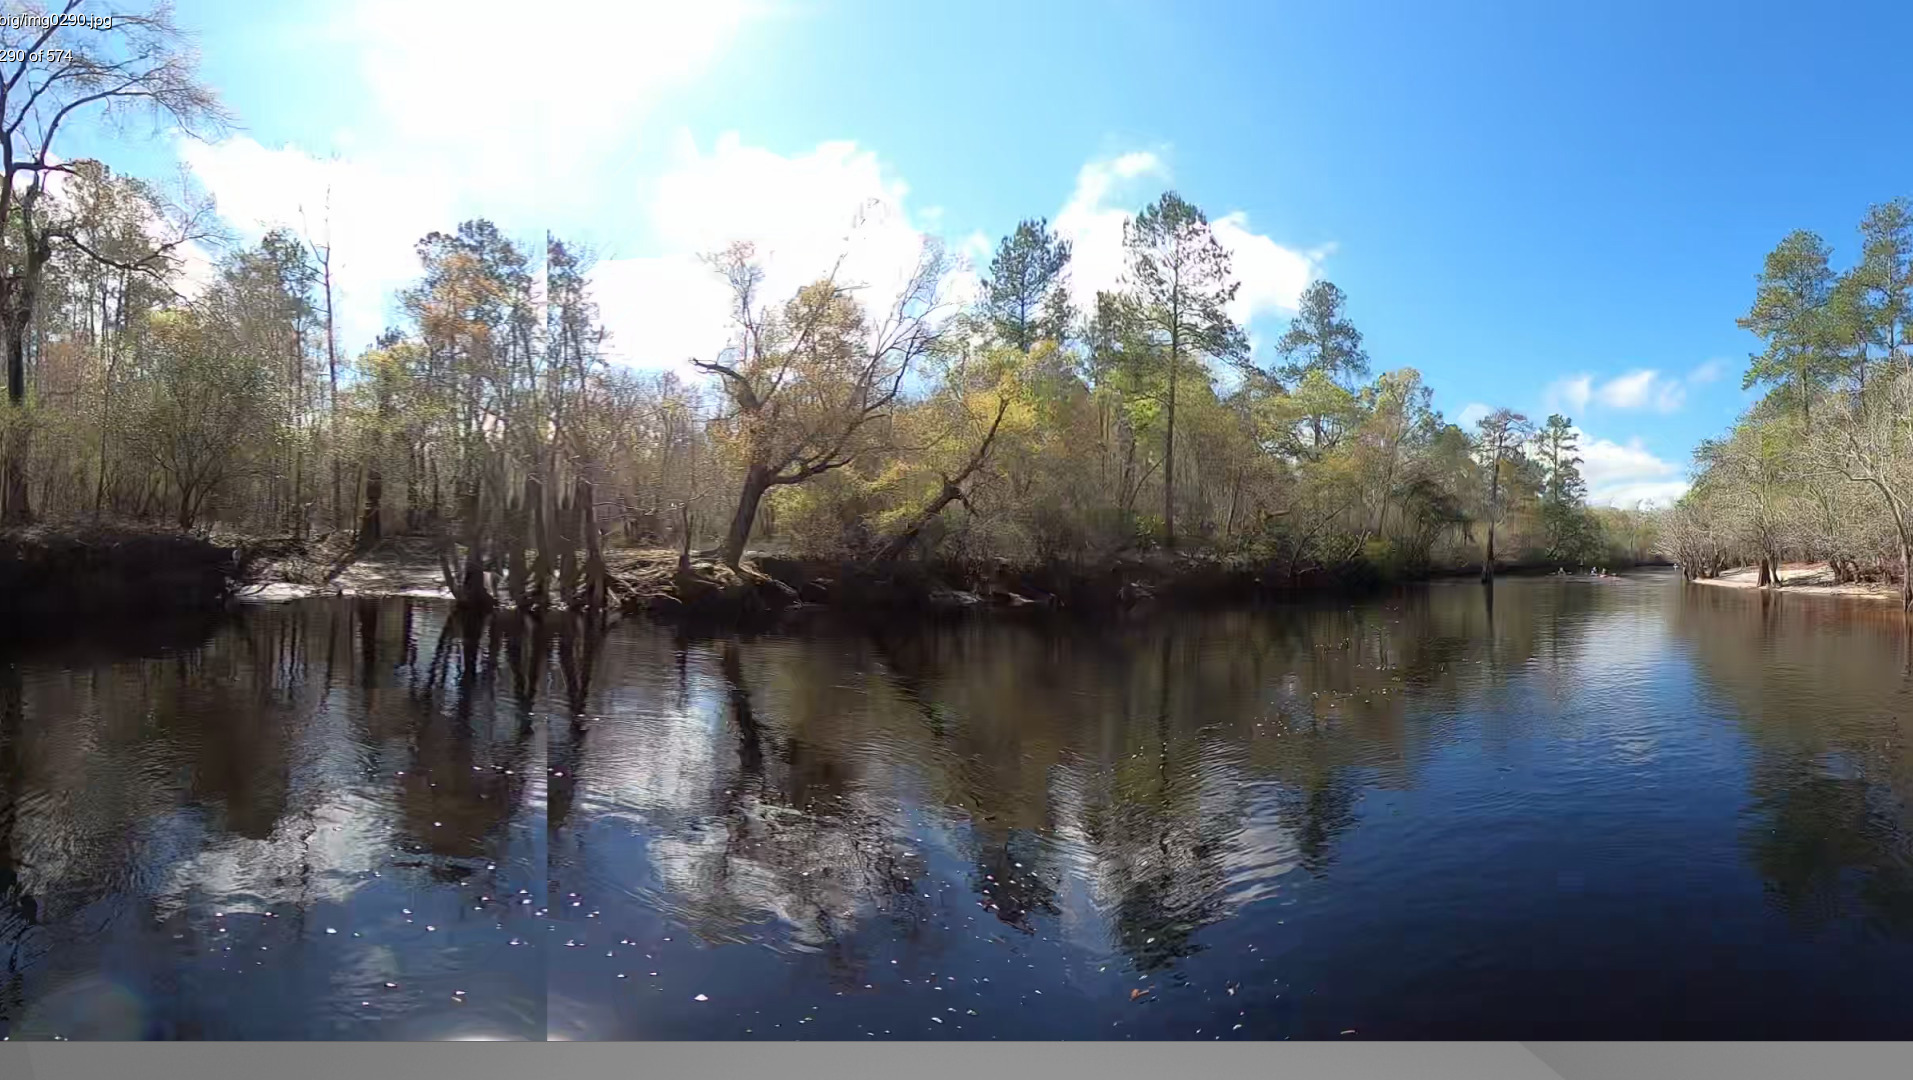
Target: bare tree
[
  {"x": 809, "y": 385},
  {"x": 138, "y": 65},
  {"x": 1868, "y": 439},
  {"x": 322, "y": 254}
]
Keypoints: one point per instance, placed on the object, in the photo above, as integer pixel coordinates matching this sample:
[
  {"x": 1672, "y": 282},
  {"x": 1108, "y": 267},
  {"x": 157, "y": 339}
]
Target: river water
[{"x": 1555, "y": 809}]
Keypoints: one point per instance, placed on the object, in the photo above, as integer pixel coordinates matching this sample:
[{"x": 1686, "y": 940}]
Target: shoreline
[
  {"x": 770, "y": 587},
  {"x": 50, "y": 572},
  {"x": 1806, "y": 579}
]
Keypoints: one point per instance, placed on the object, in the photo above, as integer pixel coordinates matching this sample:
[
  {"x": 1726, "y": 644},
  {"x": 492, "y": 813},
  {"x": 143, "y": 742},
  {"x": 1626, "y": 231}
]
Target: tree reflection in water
[
  {"x": 1821, "y": 690},
  {"x": 1121, "y": 790},
  {"x": 1542, "y": 809},
  {"x": 246, "y": 829}
]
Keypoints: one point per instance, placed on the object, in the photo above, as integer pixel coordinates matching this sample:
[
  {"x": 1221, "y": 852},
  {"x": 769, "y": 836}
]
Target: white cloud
[
  {"x": 799, "y": 210},
  {"x": 803, "y": 213},
  {"x": 571, "y": 86},
  {"x": 1272, "y": 276},
  {"x": 567, "y": 79},
  {"x": 1641, "y": 389},
  {"x": 975, "y": 248},
  {"x": 1638, "y": 389},
  {"x": 1572, "y": 392},
  {"x": 1625, "y": 474},
  {"x": 1471, "y": 414},
  {"x": 376, "y": 217},
  {"x": 1670, "y": 396},
  {"x": 662, "y": 312},
  {"x": 1094, "y": 227},
  {"x": 1707, "y": 372},
  {"x": 1630, "y": 391}
]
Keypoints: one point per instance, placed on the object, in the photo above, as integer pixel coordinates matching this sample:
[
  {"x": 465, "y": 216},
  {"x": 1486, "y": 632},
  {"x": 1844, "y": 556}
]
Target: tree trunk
[
  {"x": 1169, "y": 459},
  {"x": 538, "y": 499},
  {"x": 594, "y": 544},
  {"x": 517, "y": 576},
  {"x": 756, "y": 482},
  {"x": 474, "y": 591},
  {"x": 1126, "y": 502},
  {"x": 901, "y": 542},
  {"x": 1906, "y": 571},
  {"x": 567, "y": 542},
  {"x": 684, "y": 540},
  {"x": 468, "y": 585},
  {"x": 952, "y": 490},
  {"x": 1235, "y": 495},
  {"x": 16, "y": 316},
  {"x": 14, "y": 505},
  {"x": 372, "y": 513},
  {"x": 1494, "y": 500}
]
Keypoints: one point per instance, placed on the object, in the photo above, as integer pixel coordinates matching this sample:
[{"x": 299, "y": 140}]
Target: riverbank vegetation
[
  {"x": 848, "y": 423},
  {"x": 1820, "y": 469}
]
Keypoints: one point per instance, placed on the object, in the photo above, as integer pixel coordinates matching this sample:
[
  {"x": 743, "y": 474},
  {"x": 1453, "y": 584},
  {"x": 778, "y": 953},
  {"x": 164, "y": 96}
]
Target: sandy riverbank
[{"x": 1809, "y": 578}]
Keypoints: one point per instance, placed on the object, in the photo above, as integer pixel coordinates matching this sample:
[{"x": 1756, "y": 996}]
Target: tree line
[
  {"x": 1820, "y": 468},
  {"x": 1018, "y": 427},
  {"x": 842, "y": 421}
]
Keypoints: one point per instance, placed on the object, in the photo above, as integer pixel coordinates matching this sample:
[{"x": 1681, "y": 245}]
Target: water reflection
[
  {"x": 1823, "y": 691},
  {"x": 1546, "y": 809},
  {"x": 1456, "y": 811},
  {"x": 287, "y": 827}
]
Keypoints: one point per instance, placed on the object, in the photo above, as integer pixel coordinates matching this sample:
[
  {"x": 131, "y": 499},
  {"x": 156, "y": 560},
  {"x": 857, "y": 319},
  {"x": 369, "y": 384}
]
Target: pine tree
[
  {"x": 1026, "y": 295},
  {"x": 1181, "y": 283}
]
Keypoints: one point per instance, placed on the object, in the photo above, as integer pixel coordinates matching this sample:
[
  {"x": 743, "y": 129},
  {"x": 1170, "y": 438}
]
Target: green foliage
[
  {"x": 1821, "y": 469},
  {"x": 1311, "y": 419},
  {"x": 1387, "y": 560},
  {"x": 833, "y": 516},
  {"x": 839, "y": 421},
  {"x": 1558, "y": 449},
  {"x": 1321, "y": 340},
  {"x": 1181, "y": 283},
  {"x": 1026, "y": 293},
  {"x": 1791, "y": 315}
]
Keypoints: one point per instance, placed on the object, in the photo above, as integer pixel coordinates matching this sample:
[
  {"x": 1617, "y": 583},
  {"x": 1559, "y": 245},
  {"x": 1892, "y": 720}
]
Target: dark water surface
[{"x": 1621, "y": 809}]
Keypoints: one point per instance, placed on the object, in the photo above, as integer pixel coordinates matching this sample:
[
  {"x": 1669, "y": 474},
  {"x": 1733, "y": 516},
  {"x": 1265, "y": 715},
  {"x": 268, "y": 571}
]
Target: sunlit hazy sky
[{"x": 1552, "y": 207}]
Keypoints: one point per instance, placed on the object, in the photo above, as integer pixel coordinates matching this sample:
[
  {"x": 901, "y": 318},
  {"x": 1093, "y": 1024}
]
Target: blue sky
[{"x": 1532, "y": 204}]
